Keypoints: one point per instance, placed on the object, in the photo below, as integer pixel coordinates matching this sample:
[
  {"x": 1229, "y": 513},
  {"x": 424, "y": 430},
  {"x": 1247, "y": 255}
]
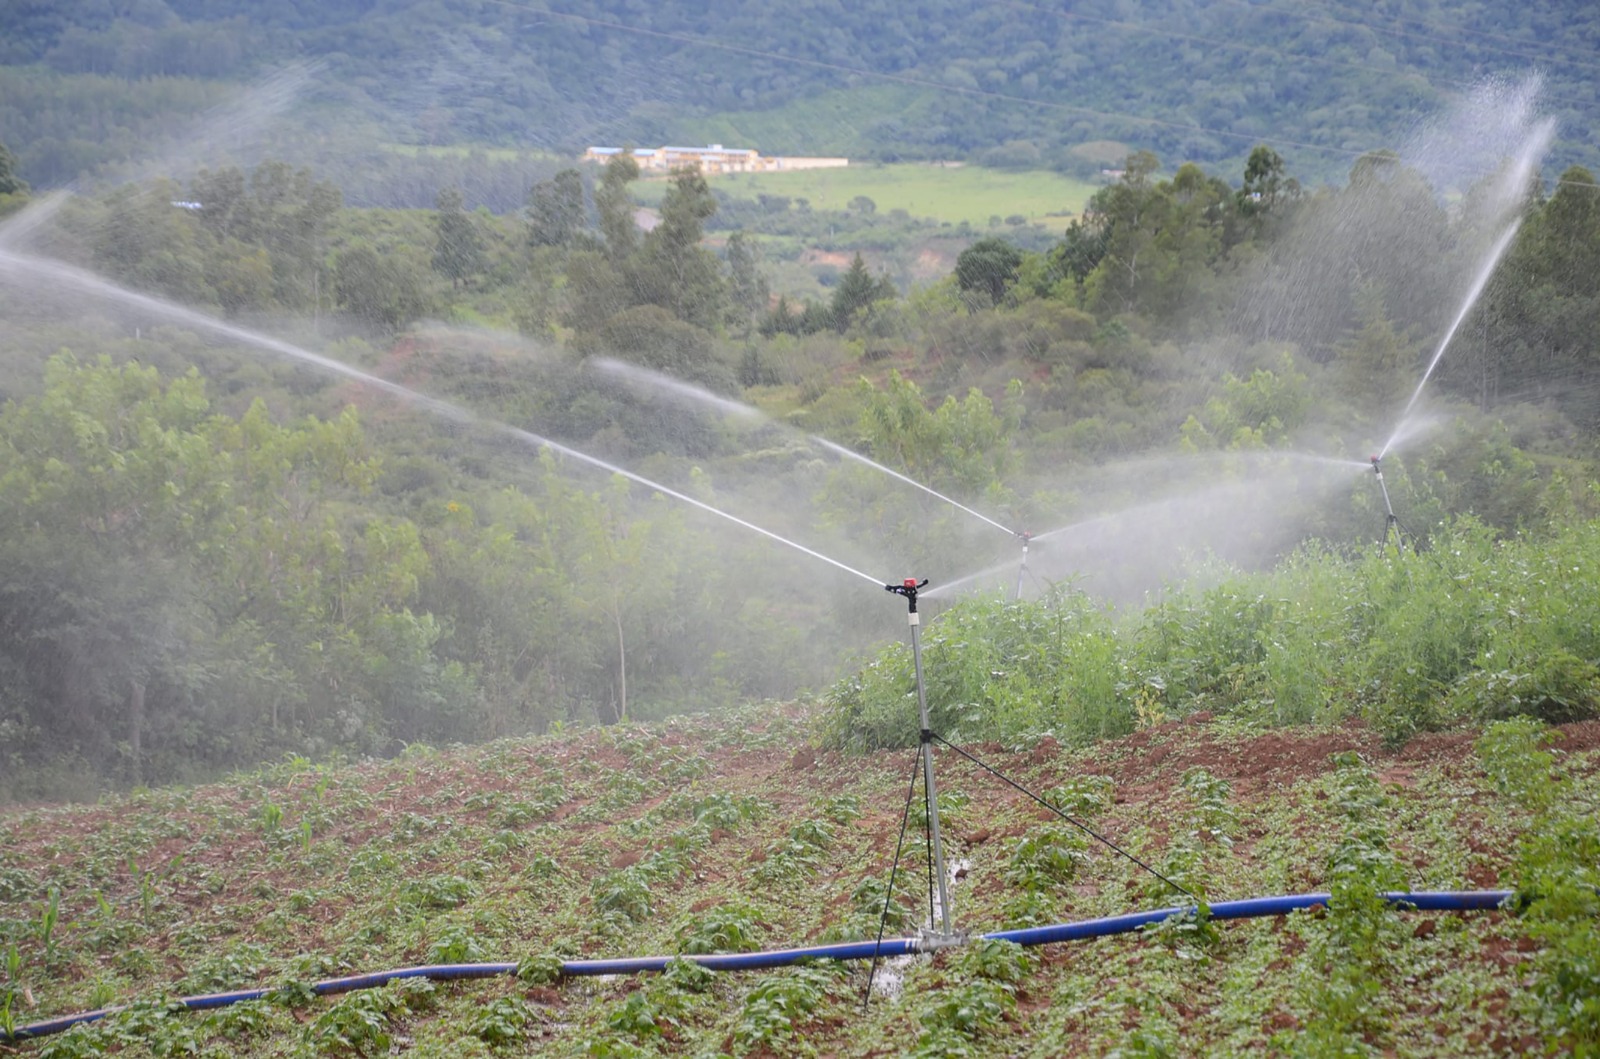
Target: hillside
[
  {"x": 730, "y": 832},
  {"x": 1015, "y": 85}
]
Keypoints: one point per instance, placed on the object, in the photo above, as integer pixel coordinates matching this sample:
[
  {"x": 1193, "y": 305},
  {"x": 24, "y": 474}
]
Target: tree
[
  {"x": 1265, "y": 187},
  {"x": 10, "y": 182},
  {"x": 856, "y": 292},
  {"x": 747, "y": 285},
  {"x": 988, "y": 268},
  {"x": 290, "y": 214},
  {"x": 672, "y": 269},
  {"x": 596, "y": 290},
  {"x": 1376, "y": 362},
  {"x": 458, "y": 248},
  {"x": 109, "y": 485},
  {"x": 650, "y": 336},
  {"x": 964, "y": 445},
  {"x": 384, "y": 291},
  {"x": 615, "y": 206},
  {"x": 227, "y": 209},
  {"x": 1538, "y": 315},
  {"x": 145, "y": 242},
  {"x": 555, "y": 210}
]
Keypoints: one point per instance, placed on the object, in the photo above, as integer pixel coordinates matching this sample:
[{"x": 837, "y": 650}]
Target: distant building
[{"x": 712, "y": 159}]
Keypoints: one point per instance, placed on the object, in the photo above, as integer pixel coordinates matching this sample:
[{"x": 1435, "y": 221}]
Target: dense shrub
[{"x": 1474, "y": 628}]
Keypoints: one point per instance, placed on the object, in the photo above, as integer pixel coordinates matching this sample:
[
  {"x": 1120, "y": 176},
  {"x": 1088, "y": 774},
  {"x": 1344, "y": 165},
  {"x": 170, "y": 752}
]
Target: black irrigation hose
[{"x": 1079, "y": 824}]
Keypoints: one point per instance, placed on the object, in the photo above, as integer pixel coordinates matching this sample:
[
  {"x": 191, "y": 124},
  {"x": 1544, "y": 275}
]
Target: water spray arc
[
  {"x": 633, "y": 374},
  {"x": 37, "y": 268},
  {"x": 1496, "y": 252},
  {"x": 853, "y": 455},
  {"x": 1022, "y": 535}
]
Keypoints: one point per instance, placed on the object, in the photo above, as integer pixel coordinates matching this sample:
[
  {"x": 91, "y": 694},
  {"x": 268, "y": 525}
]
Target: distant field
[{"x": 944, "y": 193}]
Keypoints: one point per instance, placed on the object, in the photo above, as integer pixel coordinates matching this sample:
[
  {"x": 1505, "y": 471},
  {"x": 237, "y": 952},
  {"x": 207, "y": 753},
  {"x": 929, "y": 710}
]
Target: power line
[
  {"x": 1258, "y": 7},
  {"x": 1462, "y": 29}
]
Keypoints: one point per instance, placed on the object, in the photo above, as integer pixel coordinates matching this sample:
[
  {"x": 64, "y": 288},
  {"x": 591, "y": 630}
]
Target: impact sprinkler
[
  {"x": 1025, "y": 537},
  {"x": 1391, "y": 520},
  {"x": 909, "y": 589}
]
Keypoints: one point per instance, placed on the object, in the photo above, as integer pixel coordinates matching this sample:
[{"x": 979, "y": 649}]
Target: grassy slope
[
  {"x": 840, "y": 122},
  {"x": 943, "y": 193},
  {"x": 514, "y": 849},
  {"x": 954, "y": 194}
]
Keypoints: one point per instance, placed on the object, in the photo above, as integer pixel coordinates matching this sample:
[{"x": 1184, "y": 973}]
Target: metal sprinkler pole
[
  {"x": 908, "y": 588},
  {"x": 1391, "y": 520},
  {"x": 1022, "y": 571}
]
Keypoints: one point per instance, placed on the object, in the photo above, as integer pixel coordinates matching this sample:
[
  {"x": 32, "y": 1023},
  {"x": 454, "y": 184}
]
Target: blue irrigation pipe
[{"x": 1249, "y": 908}]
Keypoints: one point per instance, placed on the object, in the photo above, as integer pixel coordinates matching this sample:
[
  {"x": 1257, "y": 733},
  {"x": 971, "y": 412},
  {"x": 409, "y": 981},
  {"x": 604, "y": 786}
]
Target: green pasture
[{"x": 952, "y": 192}]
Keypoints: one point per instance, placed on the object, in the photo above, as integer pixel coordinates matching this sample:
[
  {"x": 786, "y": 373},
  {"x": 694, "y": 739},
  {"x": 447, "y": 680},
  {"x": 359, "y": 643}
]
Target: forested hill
[{"x": 1004, "y": 83}]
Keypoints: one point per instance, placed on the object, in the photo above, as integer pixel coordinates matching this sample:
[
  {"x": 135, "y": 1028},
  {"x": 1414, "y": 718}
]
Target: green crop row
[{"x": 1474, "y": 628}]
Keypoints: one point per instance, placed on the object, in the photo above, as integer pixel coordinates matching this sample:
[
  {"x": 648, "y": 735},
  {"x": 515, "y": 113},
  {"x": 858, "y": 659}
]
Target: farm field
[
  {"x": 945, "y": 193},
  {"x": 731, "y": 832}
]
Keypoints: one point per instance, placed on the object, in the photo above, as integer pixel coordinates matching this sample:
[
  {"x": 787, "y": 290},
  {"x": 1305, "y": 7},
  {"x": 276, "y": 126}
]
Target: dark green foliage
[
  {"x": 556, "y": 215},
  {"x": 748, "y": 288},
  {"x": 1513, "y": 754},
  {"x": 504, "y": 1021},
  {"x": 1336, "y": 82},
  {"x": 10, "y": 182},
  {"x": 997, "y": 961},
  {"x": 1082, "y": 796},
  {"x": 1539, "y": 318},
  {"x": 856, "y": 292},
  {"x": 989, "y": 974},
  {"x": 444, "y": 891},
  {"x": 988, "y": 268},
  {"x": 727, "y": 928},
  {"x": 624, "y": 894},
  {"x": 457, "y": 943},
  {"x": 1048, "y": 858},
  {"x": 1556, "y": 686},
  {"x": 383, "y": 291},
  {"x": 355, "y": 1024},
  {"x": 615, "y": 205},
  {"x": 1558, "y": 880},
  {"x": 543, "y": 969},
  {"x": 687, "y": 976},
  {"x": 775, "y": 1009},
  {"x": 728, "y": 811},
  {"x": 457, "y": 249},
  {"x": 1349, "y": 948},
  {"x": 672, "y": 270},
  {"x": 1419, "y": 643},
  {"x": 1267, "y": 192},
  {"x": 652, "y": 337}
]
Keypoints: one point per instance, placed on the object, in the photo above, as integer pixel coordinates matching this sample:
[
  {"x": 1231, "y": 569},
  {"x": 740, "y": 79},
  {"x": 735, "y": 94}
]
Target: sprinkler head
[
  {"x": 1375, "y": 468},
  {"x": 907, "y": 588},
  {"x": 1024, "y": 536}
]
